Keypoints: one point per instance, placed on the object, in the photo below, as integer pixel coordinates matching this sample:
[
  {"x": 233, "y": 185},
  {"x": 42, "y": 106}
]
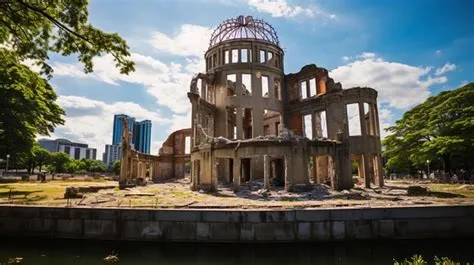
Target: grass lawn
[
  {"x": 174, "y": 194},
  {"x": 49, "y": 193}
]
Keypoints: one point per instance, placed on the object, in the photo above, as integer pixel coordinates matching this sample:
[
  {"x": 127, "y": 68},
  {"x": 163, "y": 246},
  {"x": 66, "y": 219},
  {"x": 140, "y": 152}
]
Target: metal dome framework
[{"x": 244, "y": 28}]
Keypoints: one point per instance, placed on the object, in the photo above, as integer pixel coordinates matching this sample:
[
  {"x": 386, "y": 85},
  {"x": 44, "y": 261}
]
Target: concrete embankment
[{"x": 238, "y": 225}]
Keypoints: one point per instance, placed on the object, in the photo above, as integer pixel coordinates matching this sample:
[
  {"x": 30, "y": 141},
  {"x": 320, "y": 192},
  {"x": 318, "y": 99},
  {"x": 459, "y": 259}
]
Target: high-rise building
[
  {"x": 140, "y": 132},
  {"x": 112, "y": 153},
  {"x": 74, "y": 150},
  {"x": 118, "y": 128},
  {"x": 142, "y": 136}
]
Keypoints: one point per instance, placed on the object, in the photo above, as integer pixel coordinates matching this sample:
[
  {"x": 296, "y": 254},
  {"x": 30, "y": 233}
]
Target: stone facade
[
  {"x": 263, "y": 226},
  {"x": 169, "y": 163},
  {"x": 250, "y": 120}
]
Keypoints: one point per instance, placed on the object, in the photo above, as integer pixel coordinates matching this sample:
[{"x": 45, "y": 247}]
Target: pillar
[
  {"x": 304, "y": 166},
  {"x": 213, "y": 170},
  {"x": 239, "y": 123},
  {"x": 204, "y": 89},
  {"x": 372, "y": 119},
  {"x": 380, "y": 173},
  {"x": 266, "y": 172},
  {"x": 377, "y": 122},
  {"x": 288, "y": 172},
  {"x": 236, "y": 172},
  {"x": 315, "y": 169},
  {"x": 366, "y": 159},
  {"x": 363, "y": 128}
]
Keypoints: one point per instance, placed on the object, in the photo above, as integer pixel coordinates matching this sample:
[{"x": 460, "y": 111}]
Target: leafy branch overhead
[{"x": 34, "y": 28}]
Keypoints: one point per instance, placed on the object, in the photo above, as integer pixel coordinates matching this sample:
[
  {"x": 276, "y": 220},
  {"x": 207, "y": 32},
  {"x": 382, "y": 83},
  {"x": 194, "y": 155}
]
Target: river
[{"x": 52, "y": 252}]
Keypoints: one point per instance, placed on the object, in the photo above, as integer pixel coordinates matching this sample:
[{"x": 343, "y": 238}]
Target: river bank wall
[{"x": 203, "y": 225}]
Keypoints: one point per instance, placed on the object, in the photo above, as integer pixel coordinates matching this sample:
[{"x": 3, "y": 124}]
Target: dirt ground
[{"x": 176, "y": 194}]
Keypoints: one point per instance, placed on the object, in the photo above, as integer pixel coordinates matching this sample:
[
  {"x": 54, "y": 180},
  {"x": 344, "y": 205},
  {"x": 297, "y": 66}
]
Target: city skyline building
[
  {"x": 140, "y": 133},
  {"x": 111, "y": 154},
  {"x": 74, "y": 150},
  {"x": 142, "y": 136},
  {"x": 118, "y": 128}
]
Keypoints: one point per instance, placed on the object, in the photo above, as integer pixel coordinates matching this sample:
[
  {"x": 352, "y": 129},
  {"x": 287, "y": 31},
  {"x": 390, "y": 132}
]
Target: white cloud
[
  {"x": 91, "y": 121},
  {"x": 386, "y": 119},
  {"x": 281, "y": 8},
  {"x": 447, "y": 67},
  {"x": 191, "y": 40},
  {"x": 438, "y": 52},
  {"x": 346, "y": 58},
  {"x": 400, "y": 85},
  {"x": 366, "y": 55},
  {"x": 167, "y": 82}
]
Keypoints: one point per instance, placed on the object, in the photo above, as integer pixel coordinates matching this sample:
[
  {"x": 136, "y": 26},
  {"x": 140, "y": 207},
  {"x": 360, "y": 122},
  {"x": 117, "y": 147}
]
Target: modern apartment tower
[
  {"x": 74, "y": 150},
  {"x": 142, "y": 136},
  {"x": 140, "y": 133},
  {"x": 112, "y": 153},
  {"x": 117, "y": 132}
]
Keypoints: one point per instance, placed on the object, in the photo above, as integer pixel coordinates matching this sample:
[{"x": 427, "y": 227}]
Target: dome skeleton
[{"x": 243, "y": 28}]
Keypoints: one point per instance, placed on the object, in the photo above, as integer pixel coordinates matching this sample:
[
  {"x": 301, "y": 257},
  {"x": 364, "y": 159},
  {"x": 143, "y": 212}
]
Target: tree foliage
[
  {"x": 116, "y": 167},
  {"x": 440, "y": 130},
  {"x": 30, "y": 31},
  {"x": 27, "y": 106},
  {"x": 34, "y": 28},
  {"x": 59, "y": 162}
]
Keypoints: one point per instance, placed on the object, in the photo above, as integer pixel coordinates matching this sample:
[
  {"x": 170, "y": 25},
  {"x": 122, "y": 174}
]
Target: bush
[{"x": 418, "y": 260}]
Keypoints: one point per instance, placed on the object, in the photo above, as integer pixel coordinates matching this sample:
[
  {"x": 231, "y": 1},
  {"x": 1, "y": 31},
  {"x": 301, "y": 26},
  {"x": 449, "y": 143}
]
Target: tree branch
[{"x": 65, "y": 28}]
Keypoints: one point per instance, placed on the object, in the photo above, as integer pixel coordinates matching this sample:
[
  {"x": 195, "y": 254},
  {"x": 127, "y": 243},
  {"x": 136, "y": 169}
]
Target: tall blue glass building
[
  {"x": 142, "y": 136},
  {"x": 140, "y": 133},
  {"x": 118, "y": 128}
]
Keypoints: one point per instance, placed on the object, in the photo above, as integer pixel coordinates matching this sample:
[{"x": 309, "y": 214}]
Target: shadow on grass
[
  {"x": 441, "y": 194},
  {"x": 11, "y": 192}
]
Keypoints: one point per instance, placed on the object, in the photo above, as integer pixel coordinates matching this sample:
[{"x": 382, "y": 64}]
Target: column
[
  {"x": 366, "y": 159},
  {"x": 305, "y": 161},
  {"x": 377, "y": 124},
  {"x": 288, "y": 172},
  {"x": 266, "y": 172},
  {"x": 373, "y": 127},
  {"x": 315, "y": 169},
  {"x": 236, "y": 172},
  {"x": 214, "y": 177},
  {"x": 380, "y": 173},
  {"x": 271, "y": 87},
  {"x": 336, "y": 177},
  {"x": 204, "y": 89},
  {"x": 239, "y": 123},
  {"x": 363, "y": 128}
]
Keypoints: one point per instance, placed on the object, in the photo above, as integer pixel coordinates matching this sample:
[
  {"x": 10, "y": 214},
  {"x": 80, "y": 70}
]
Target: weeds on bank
[{"x": 418, "y": 260}]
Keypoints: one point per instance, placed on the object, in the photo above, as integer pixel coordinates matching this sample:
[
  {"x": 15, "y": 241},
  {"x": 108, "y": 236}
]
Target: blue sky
[{"x": 407, "y": 50}]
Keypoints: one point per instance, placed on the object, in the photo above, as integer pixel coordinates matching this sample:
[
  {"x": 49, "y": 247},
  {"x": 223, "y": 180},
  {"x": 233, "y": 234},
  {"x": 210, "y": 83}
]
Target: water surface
[{"x": 52, "y": 252}]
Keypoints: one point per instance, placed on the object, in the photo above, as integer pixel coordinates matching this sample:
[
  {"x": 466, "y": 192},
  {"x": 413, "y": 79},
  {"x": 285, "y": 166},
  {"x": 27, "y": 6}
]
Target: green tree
[
  {"x": 35, "y": 28},
  {"x": 30, "y": 30},
  {"x": 27, "y": 106},
  {"x": 97, "y": 166},
  {"x": 116, "y": 167},
  {"x": 41, "y": 156},
  {"x": 58, "y": 162},
  {"x": 440, "y": 130}
]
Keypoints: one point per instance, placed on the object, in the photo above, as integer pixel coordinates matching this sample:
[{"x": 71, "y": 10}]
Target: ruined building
[
  {"x": 170, "y": 162},
  {"x": 250, "y": 120}
]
